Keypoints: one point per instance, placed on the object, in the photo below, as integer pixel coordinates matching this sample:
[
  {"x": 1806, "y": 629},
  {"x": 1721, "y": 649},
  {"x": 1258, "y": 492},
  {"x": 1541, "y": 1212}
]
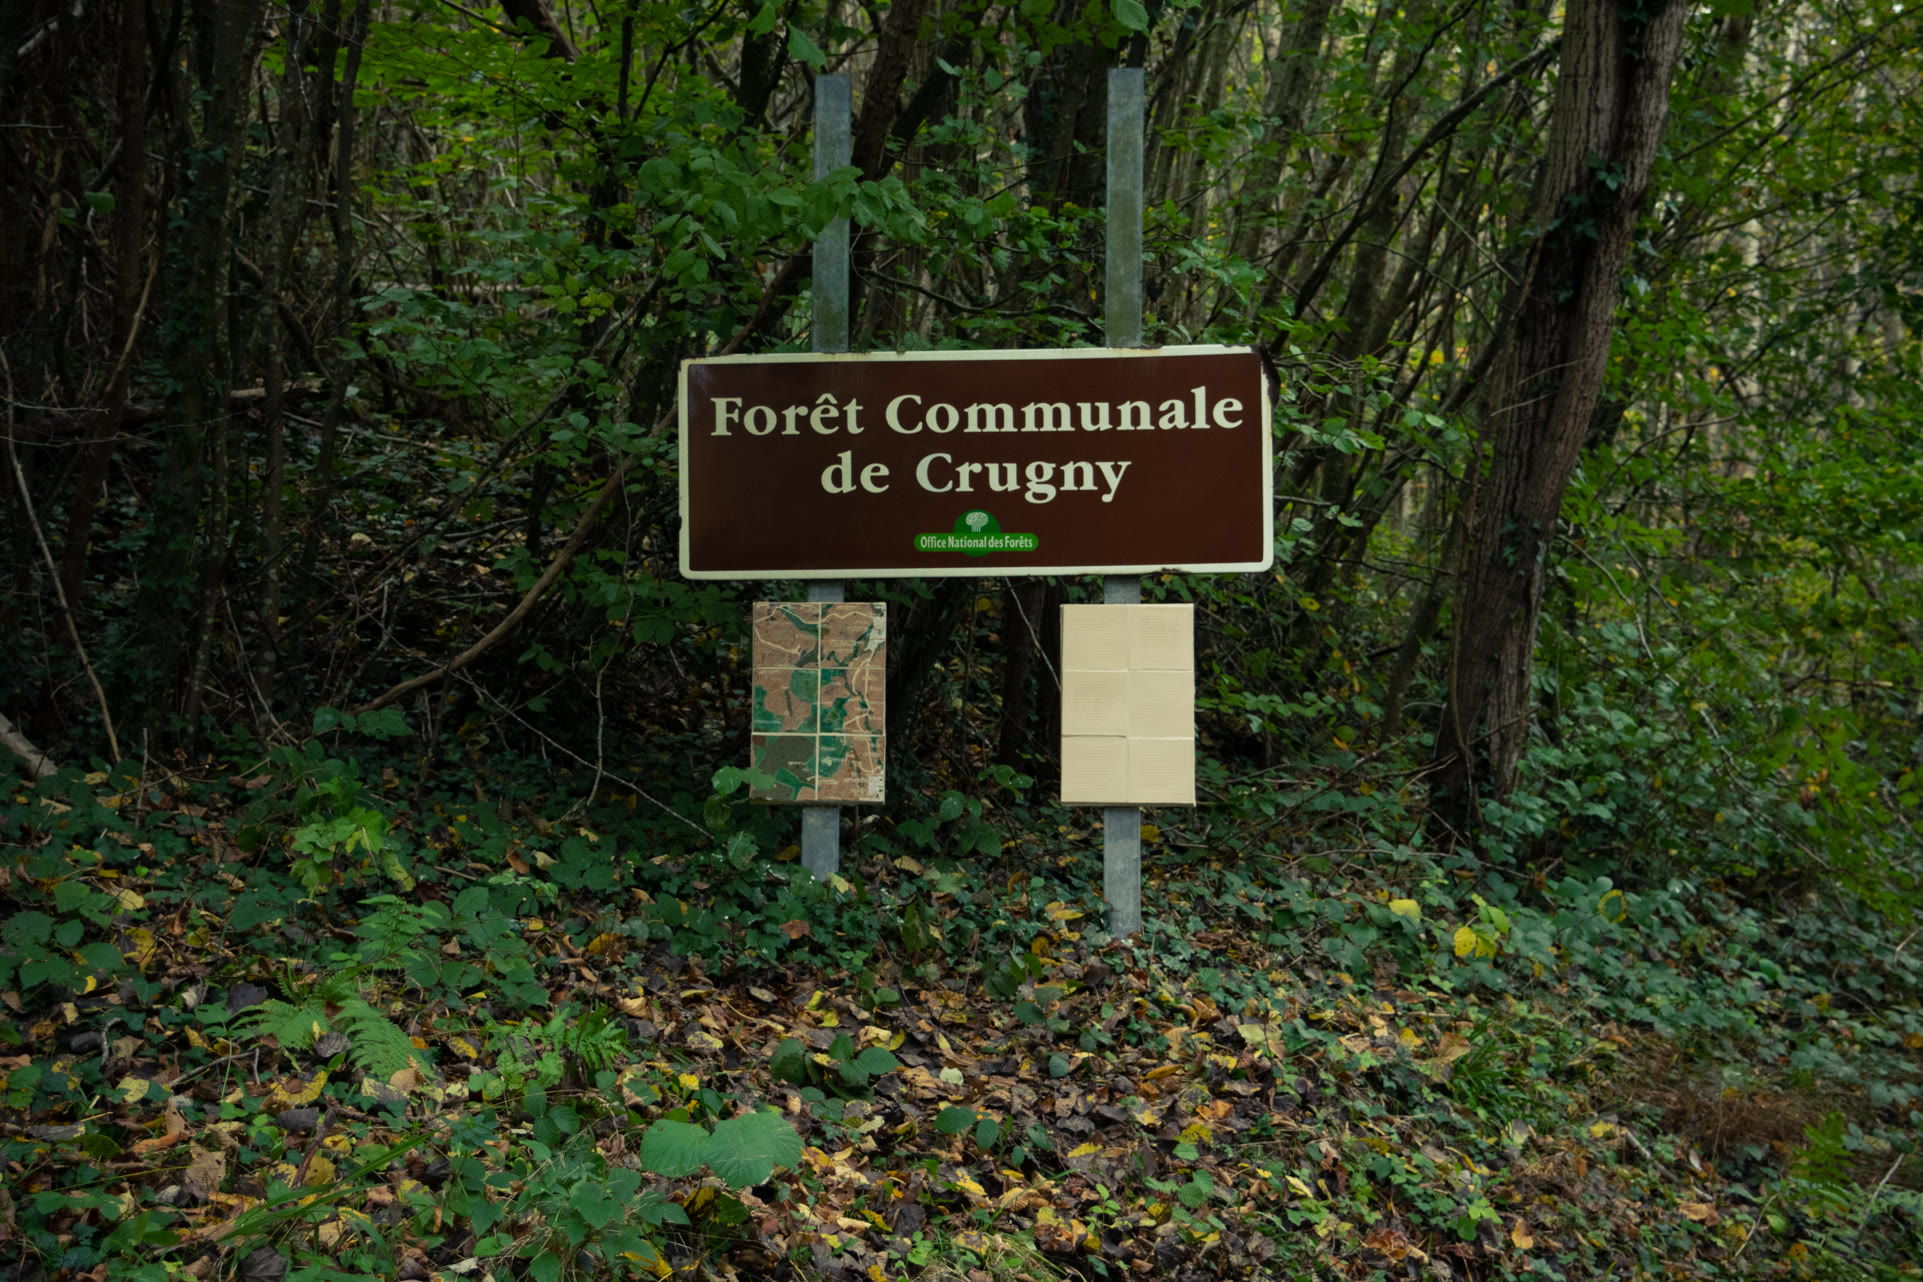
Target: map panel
[
  {"x": 820, "y": 685},
  {"x": 790, "y": 758}
]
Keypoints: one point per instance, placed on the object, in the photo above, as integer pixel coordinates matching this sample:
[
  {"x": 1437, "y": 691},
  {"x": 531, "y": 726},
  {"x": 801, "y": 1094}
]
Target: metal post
[
  {"x": 1122, "y": 317},
  {"x": 834, "y": 131},
  {"x": 1122, "y": 283}
]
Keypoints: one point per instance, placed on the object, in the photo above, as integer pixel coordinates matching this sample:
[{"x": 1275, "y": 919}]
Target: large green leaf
[
  {"x": 746, "y": 1150},
  {"x": 674, "y": 1148}
]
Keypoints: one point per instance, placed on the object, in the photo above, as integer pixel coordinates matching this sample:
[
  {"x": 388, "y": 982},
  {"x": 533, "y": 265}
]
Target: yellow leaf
[
  {"x": 1701, "y": 1212},
  {"x": 1604, "y": 1130},
  {"x": 1085, "y": 1150},
  {"x": 1466, "y": 942},
  {"x": 1521, "y": 1236},
  {"x": 141, "y": 941},
  {"x": 602, "y": 943},
  {"x": 291, "y": 1092},
  {"x": 1406, "y": 908},
  {"x": 129, "y": 902},
  {"x": 1151, "y": 833},
  {"x": 908, "y": 865},
  {"x": 1299, "y": 1188}
]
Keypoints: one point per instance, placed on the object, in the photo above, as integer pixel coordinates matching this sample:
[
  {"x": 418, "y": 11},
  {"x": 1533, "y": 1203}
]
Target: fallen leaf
[
  {"x": 1521, "y": 1236},
  {"x": 206, "y": 1169},
  {"x": 291, "y": 1091},
  {"x": 797, "y": 928}
]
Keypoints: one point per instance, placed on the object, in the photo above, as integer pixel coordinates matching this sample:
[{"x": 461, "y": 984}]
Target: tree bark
[
  {"x": 1612, "y": 97},
  {"x": 181, "y": 575},
  {"x": 130, "y": 230}
]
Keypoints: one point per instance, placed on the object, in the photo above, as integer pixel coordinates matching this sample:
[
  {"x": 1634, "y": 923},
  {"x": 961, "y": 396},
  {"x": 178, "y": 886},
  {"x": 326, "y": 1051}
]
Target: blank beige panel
[
  {"x": 1095, "y": 702},
  {"x": 1161, "y": 705},
  {"x": 1095, "y": 637},
  {"x": 1162, "y": 636},
  {"x": 1161, "y": 772},
  {"x": 1094, "y": 770}
]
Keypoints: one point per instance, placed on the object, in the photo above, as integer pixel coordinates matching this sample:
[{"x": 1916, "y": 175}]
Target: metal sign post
[
  {"x": 834, "y": 133},
  {"x": 1122, "y": 314}
]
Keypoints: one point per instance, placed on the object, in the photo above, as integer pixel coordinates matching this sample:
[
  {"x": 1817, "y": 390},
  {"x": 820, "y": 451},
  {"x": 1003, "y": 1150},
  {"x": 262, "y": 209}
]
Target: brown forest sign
[{"x": 975, "y": 463}]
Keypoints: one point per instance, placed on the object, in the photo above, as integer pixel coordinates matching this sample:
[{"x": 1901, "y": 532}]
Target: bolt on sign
[{"x": 1084, "y": 461}]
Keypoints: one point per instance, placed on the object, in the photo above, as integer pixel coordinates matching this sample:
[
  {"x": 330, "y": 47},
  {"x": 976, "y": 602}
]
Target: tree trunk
[
  {"x": 1611, "y": 100},
  {"x": 130, "y": 230},
  {"x": 177, "y": 586}
]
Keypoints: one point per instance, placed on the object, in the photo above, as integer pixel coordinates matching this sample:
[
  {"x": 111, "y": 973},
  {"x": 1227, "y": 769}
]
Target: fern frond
[
  {"x": 595, "y": 1041},
  {"x": 293, "y": 1027},
  {"x": 377, "y": 1043},
  {"x": 391, "y": 934}
]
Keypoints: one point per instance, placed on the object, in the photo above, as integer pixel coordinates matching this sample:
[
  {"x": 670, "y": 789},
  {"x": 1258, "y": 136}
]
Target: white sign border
[{"x": 987, "y": 571}]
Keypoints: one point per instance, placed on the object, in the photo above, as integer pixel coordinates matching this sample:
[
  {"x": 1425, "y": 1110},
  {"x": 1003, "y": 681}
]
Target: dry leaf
[
  {"x": 205, "y": 1170},
  {"x": 1521, "y": 1236}
]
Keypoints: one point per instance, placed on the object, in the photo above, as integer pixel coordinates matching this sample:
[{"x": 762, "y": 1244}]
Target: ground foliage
[{"x": 604, "y": 1039}]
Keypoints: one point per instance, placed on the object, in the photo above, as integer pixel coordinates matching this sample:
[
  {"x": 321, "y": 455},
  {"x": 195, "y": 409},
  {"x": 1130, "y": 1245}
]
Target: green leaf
[
  {"x": 674, "y": 1149},
  {"x": 744, "y": 1151},
  {"x": 593, "y": 1204},
  {"x": 987, "y": 1131},
  {"x": 326, "y": 719},
  {"x": 790, "y": 1062},
  {"x": 545, "y": 1267},
  {"x": 954, "y": 1119},
  {"x": 804, "y": 50},
  {"x": 660, "y": 176},
  {"x": 27, "y": 928},
  {"x": 876, "y": 1061},
  {"x": 1060, "y": 1065},
  {"x": 1131, "y": 14}
]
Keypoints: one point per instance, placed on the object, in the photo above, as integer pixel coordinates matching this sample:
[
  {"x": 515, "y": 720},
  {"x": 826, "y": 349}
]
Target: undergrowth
[{"x": 614, "y": 1041}]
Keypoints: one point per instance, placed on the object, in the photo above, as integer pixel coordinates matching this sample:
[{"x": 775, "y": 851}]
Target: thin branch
[
  {"x": 527, "y": 603},
  {"x": 73, "y": 631}
]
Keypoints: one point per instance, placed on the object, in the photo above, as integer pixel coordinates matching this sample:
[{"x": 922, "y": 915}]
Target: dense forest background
[{"x": 339, "y": 345}]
